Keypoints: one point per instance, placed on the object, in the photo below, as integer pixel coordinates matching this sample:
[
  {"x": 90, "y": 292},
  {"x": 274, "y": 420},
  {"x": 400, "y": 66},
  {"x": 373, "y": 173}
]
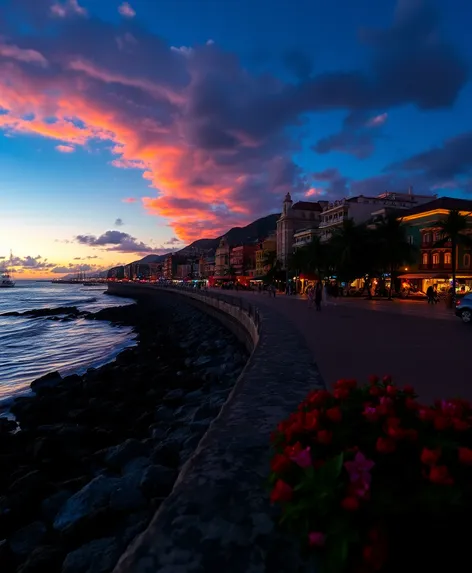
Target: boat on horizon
[{"x": 6, "y": 278}]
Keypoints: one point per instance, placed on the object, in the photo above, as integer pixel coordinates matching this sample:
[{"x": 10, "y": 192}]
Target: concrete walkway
[{"x": 426, "y": 346}]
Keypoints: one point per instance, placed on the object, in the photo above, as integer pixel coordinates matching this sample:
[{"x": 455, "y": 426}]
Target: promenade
[{"x": 425, "y": 346}]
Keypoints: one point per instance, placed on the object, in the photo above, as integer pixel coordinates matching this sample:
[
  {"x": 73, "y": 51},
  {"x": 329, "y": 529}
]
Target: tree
[
  {"x": 453, "y": 229},
  {"x": 350, "y": 254},
  {"x": 393, "y": 249}
]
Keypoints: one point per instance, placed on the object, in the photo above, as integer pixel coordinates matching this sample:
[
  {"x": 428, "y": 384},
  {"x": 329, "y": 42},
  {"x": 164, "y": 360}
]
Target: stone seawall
[{"x": 217, "y": 517}]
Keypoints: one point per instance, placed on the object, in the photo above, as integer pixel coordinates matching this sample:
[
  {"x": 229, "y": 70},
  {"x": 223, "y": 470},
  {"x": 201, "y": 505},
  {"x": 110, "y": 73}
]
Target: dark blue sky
[{"x": 185, "y": 117}]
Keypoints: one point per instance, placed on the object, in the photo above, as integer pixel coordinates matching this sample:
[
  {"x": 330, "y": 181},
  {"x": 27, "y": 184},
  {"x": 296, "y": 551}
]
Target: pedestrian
[
  {"x": 430, "y": 294},
  {"x": 311, "y": 296},
  {"x": 318, "y": 295}
]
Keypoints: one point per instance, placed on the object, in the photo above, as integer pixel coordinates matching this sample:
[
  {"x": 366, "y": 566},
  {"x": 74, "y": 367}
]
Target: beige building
[
  {"x": 267, "y": 246},
  {"x": 295, "y": 216},
  {"x": 222, "y": 258}
]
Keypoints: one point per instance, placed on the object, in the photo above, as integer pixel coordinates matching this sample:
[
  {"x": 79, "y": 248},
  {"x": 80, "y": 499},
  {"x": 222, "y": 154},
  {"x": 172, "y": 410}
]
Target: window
[
  {"x": 447, "y": 258},
  {"x": 427, "y": 238},
  {"x": 425, "y": 258},
  {"x": 411, "y": 239},
  {"x": 435, "y": 258},
  {"x": 466, "y": 261},
  {"x": 437, "y": 236}
]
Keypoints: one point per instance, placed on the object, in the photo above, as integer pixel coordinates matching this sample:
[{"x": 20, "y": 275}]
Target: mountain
[{"x": 251, "y": 233}]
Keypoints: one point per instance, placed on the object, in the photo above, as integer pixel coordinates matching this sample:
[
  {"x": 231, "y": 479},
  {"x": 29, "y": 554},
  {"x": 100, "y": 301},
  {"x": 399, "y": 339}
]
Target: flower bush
[{"x": 371, "y": 480}]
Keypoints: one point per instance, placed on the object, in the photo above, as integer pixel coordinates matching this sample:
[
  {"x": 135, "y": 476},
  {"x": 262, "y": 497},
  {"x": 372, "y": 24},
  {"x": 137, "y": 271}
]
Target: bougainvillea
[{"x": 357, "y": 468}]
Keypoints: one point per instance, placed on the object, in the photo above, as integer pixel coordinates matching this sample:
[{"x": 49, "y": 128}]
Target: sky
[{"x": 129, "y": 128}]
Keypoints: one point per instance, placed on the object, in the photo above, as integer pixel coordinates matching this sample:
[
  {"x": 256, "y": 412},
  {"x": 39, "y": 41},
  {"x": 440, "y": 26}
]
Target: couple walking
[{"x": 315, "y": 295}]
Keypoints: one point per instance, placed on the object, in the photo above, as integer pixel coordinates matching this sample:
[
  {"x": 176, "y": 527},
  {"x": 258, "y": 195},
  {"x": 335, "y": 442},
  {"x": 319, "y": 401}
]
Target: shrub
[{"x": 371, "y": 480}]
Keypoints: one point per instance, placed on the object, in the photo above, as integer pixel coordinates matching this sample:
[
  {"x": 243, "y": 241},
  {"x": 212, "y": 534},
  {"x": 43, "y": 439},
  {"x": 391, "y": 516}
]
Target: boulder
[
  {"x": 99, "y": 556},
  {"x": 51, "y": 505},
  {"x": 167, "y": 453},
  {"x": 174, "y": 396},
  {"x": 119, "y": 456},
  {"x": 44, "y": 559},
  {"x": 127, "y": 499},
  {"x": 50, "y": 380},
  {"x": 94, "y": 496},
  {"x": 158, "y": 481},
  {"x": 25, "y": 540}
]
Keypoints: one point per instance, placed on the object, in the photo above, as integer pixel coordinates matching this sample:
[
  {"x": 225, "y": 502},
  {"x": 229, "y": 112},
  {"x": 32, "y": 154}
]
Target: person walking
[
  {"x": 318, "y": 295},
  {"x": 430, "y": 294},
  {"x": 311, "y": 296}
]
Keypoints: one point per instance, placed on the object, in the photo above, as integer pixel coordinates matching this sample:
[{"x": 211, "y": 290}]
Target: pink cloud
[
  {"x": 129, "y": 200},
  {"x": 65, "y": 148},
  {"x": 67, "y": 8},
  {"x": 377, "y": 120},
  {"x": 126, "y": 10},
  {"x": 315, "y": 192},
  {"x": 22, "y": 55}
]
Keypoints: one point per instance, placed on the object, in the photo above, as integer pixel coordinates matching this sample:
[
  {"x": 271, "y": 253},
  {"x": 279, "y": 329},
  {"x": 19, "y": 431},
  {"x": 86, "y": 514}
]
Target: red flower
[
  {"x": 430, "y": 457},
  {"x": 375, "y": 391},
  {"x": 341, "y": 393},
  {"x": 280, "y": 463},
  {"x": 370, "y": 413},
  {"x": 465, "y": 456},
  {"x": 334, "y": 414},
  {"x": 348, "y": 384},
  {"x": 282, "y": 492},
  {"x": 387, "y": 379},
  {"x": 411, "y": 404},
  {"x": 385, "y": 445},
  {"x": 311, "y": 420},
  {"x": 373, "y": 379},
  {"x": 350, "y": 503},
  {"x": 426, "y": 414},
  {"x": 440, "y": 475},
  {"x": 409, "y": 390},
  {"x": 460, "y": 425},
  {"x": 441, "y": 422},
  {"x": 325, "y": 437},
  {"x": 392, "y": 390}
]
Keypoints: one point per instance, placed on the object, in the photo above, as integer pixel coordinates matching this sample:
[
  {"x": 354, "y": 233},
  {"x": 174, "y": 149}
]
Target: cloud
[
  {"x": 67, "y": 8},
  {"x": 129, "y": 200},
  {"x": 119, "y": 222},
  {"x": 12, "y": 52},
  {"x": 125, "y": 10},
  {"x": 115, "y": 241},
  {"x": 65, "y": 148},
  {"x": 213, "y": 140},
  {"x": 356, "y": 137},
  {"x": 30, "y": 263},
  {"x": 315, "y": 192},
  {"x": 334, "y": 183},
  {"x": 74, "y": 268},
  {"x": 173, "y": 241}
]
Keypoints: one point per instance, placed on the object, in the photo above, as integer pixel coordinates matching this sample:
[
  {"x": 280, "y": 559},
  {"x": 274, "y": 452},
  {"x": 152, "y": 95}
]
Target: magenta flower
[
  {"x": 359, "y": 469},
  {"x": 302, "y": 458},
  {"x": 316, "y": 539}
]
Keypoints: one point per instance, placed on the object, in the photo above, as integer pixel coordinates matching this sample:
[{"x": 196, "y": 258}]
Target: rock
[
  {"x": 167, "y": 454},
  {"x": 93, "y": 497},
  {"x": 174, "y": 396},
  {"x": 158, "y": 481},
  {"x": 203, "y": 360},
  {"x": 195, "y": 396},
  {"x": 44, "y": 559},
  {"x": 157, "y": 433},
  {"x": 7, "y": 426},
  {"x": 138, "y": 464},
  {"x": 207, "y": 410},
  {"x": 25, "y": 540},
  {"x": 120, "y": 455},
  {"x": 50, "y": 506},
  {"x": 50, "y": 380},
  {"x": 99, "y": 556},
  {"x": 164, "y": 414},
  {"x": 127, "y": 499}
]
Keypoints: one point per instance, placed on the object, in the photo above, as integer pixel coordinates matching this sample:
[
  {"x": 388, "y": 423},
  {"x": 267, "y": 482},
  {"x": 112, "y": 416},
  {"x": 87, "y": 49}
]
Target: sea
[{"x": 31, "y": 347}]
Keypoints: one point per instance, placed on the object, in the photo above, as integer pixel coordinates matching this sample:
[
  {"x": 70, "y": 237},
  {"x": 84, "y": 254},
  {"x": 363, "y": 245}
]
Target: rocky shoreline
[{"x": 90, "y": 458}]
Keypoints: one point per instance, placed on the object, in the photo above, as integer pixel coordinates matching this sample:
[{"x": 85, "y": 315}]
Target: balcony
[
  {"x": 431, "y": 245},
  {"x": 435, "y": 267}
]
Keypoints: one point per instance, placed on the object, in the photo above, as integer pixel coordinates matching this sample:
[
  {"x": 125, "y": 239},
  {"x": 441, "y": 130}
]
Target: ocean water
[{"x": 31, "y": 347}]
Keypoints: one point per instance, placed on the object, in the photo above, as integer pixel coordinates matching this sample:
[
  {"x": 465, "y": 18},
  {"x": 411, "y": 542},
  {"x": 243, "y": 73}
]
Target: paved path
[{"x": 426, "y": 346}]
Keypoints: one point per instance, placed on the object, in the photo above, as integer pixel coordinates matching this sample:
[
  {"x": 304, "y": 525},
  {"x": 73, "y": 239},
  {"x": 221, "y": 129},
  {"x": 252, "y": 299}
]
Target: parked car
[{"x": 464, "y": 308}]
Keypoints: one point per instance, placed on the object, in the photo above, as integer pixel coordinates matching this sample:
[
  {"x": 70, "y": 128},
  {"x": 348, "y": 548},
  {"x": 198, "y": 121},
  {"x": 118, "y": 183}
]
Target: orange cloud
[{"x": 65, "y": 148}]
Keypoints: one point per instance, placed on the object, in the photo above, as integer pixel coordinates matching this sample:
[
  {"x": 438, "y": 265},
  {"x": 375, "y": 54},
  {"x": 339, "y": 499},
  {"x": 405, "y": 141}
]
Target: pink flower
[
  {"x": 316, "y": 539},
  {"x": 359, "y": 469},
  {"x": 302, "y": 458}
]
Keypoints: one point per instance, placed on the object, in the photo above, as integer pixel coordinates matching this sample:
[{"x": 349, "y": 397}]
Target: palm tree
[
  {"x": 349, "y": 251},
  {"x": 453, "y": 229},
  {"x": 392, "y": 246}
]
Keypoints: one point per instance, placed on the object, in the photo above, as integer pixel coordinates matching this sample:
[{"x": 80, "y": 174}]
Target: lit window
[
  {"x": 466, "y": 261},
  {"x": 435, "y": 259},
  {"x": 425, "y": 258},
  {"x": 447, "y": 258}
]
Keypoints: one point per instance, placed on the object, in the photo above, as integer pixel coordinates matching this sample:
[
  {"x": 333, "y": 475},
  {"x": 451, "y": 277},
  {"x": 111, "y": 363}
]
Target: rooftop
[
  {"x": 306, "y": 206},
  {"x": 446, "y": 203}
]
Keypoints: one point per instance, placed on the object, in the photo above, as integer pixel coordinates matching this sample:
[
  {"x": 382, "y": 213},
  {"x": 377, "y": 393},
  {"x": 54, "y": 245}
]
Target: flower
[
  {"x": 311, "y": 420},
  {"x": 409, "y": 390},
  {"x": 341, "y": 393},
  {"x": 392, "y": 390},
  {"x": 465, "y": 456},
  {"x": 440, "y": 475},
  {"x": 282, "y": 492},
  {"x": 370, "y": 413},
  {"x": 430, "y": 457},
  {"x": 359, "y": 469},
  {"x": 373, "y": 379},
  {"x": 325, "y": 437},
  {"x": 426, "y": 414},
  {"x": 316, "y": 539},
  {"x": 460, "y": 425},
  {"x": 385, "y": 445},
  {"x": 387, "y": 379},
  {"x": 350, "y": 503},
  {"x": 302, "y": 458},
  {"x": 334, "y": 414},
  {"x": 375, "y": 391},
  {"x": 411, "y": 404},
  {"x": 441, "y": 422},
  {"x": 280, "y": 463}
]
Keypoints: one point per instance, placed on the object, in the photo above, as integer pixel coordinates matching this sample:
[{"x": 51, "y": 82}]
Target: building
[
  {"x": 434, "y": 264},
  {"x": 183, "y": 271},
  {"x": 295, "y": 216},
  {"x": 169, "y": 268},
  {"x": 267, "y": 250},
  {"x": 243, "y": 259},
  {"x": 222, "y": 258},
  {"x": 304, "y": 237},
  {"x": 361, "y": 209}
]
